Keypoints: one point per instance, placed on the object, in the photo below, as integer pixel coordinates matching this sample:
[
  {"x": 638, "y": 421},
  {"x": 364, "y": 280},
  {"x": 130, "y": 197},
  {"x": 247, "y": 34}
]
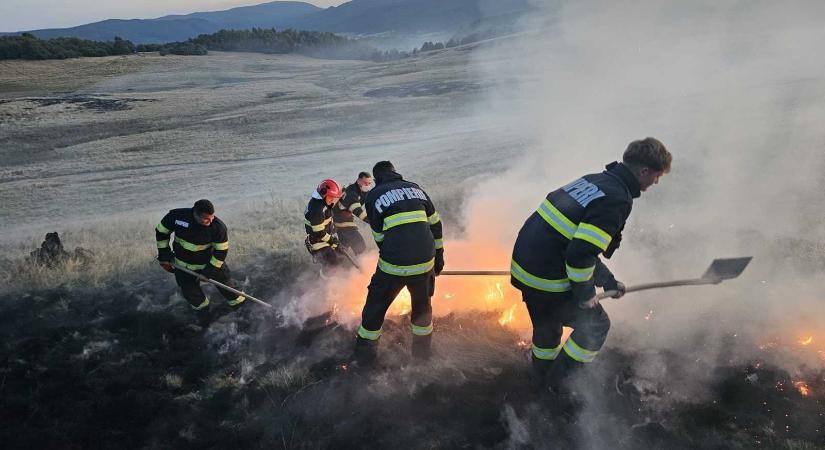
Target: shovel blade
[{"x": 726, "y": 268}]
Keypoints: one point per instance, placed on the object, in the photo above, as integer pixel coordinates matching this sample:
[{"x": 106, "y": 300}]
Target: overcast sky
[{"x": 19, "y": 15}]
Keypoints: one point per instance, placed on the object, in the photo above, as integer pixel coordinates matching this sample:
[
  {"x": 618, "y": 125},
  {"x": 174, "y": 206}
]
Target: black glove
[
  {"x": 209, "y": 271},
  {"x": 613, "y": 285},
  {"x": 439, "y": 261},
  {"x": 333, "y": 241},
  {"x": 166, "y": 256}
]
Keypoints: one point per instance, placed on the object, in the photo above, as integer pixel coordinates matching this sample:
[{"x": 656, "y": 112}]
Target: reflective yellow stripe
[
  {"x": 368, "y": 334},
  {"x": 221, "y": 245},
  {"x": 319, "y": 245},
  {"x": 406, "y": 271},
  {"x": 542, "y": 284},
  {"x": 580, "y": 275},
  {"x": 593, "y": 235},
  {"x": 439, "y": 244},
  {"x": 546, "y": 354},
  {"x": 346, "y": 225},
  {"x": 216, "y": 262},
  {"x": 204, "y": 304},
  {"x": 192, "y": 247},
  {"x": 354, "y": 206},
  {"x": 319, "y": 227},
  {"x": 434, "y": 219},
  {"x": 404, "y": 218},
  {"x": 556, "y": 219},
  {"x": 163, "y": 244},
  {"x": 238, "y": 300},
  {"x": 422, "y": 331},
  {"x": 180, "y": 263},
  {"x": 578, "y": 353},
  {"x": 379, "y": 237},
  {"x": 163, "y": 229},
  {"x": 363, "y": 215}
]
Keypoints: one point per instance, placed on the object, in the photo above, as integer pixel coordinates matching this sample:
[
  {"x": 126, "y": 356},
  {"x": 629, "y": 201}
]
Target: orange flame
[
  {"x": 802, "y": 387},
  {"x": 452, "y": 293},
  {"x": 807, "y": 341}
]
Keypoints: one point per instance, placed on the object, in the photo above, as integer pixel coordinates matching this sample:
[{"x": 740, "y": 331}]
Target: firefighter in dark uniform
[
  {"x": 350, "y": 206},
  {"x": 200, "y": 244},
  {"x": 407, "y": 229},
  {"x": 556, "y": 262},
  {"x": 321, "y": 240}
]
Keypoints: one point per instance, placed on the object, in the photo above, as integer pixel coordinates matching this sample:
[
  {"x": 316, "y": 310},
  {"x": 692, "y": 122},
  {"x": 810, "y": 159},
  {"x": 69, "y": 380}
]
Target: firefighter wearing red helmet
[{"x": 321, "y": 240}]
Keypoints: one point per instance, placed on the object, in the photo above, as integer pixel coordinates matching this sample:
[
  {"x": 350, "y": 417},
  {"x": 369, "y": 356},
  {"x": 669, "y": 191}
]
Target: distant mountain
[
  {"x": 278, "y": 14},
  {"x": 408, "y": 16},
  {"x": 358, "y": 17}
]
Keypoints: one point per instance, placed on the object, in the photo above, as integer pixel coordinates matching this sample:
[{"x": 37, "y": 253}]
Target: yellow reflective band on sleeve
[
  {"x": 379, "y": 237},
  {"x": 320, "y": 226},
  {"x": 319, "y": 245},
  {"x": 163, "y": 229},
  {"x": 355, "y": 206},
  {"x": 363, "y": 215},
  {"x": 542, "y": 284},
  {"x": 192, "y": 247},
  {"x": 238, "y": 300},
  {"x": 346, "y": 225},
  {"x": 404, "y": 218},
  {"x": 326, "y": 237},
  {"x": 546, "y": 354},
  {"x": 180, "y": 263},
  {"x": 593, "y": 235},
  {"x": 368, "y": 334},
  {"x": 203, "y": 304},
  {"x": 216, "y": 262},
  {"x": 221, "y": 245},
  {"x": 163, "y": 244},
  {"x": 406, "y": 271},
  {"x": 422, "y": 331},
  {"x": 578, "y": 353},
  {"x": 556, "y": 219},
  {"x": 434, "y": 219},
  {"x": 439, "y": 243},
  {"x": 580, "y": 275}
]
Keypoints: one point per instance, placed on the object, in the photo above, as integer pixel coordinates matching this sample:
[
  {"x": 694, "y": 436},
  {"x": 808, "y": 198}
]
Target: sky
[{"x": 20, "y": 15}]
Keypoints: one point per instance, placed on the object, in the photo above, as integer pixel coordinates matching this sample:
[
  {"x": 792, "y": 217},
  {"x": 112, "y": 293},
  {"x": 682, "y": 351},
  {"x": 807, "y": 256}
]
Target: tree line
[{"x": 28, "y": 46}]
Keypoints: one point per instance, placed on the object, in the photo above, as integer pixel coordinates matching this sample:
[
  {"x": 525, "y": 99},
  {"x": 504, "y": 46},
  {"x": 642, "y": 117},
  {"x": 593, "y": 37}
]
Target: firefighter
[
  {"x": 321, "y": 240},
  {"x": 200, "y": 244},
  {"x": 407, "y": 229},
  {"x": 350, "y": 206},
  {"x": 556, "y": 262}
]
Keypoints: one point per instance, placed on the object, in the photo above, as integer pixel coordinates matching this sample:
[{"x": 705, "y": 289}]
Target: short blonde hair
[{"x": 648, "y": 152}]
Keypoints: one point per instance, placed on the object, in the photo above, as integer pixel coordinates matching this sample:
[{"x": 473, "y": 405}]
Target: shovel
[
  {"x": 720, "y": 270},
  {"x": 222, "y": 286}
]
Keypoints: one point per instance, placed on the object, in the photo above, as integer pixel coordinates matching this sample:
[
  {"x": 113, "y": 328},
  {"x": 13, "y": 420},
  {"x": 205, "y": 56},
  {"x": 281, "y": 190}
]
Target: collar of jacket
[
  {"x": 316, "y": 195},
  {"x": 623, "y": 173},
  {"x": 386, "y": 177}
]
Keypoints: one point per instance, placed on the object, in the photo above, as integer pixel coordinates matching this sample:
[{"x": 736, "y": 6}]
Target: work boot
[
  {"x": 563, "y": 371},
  {"x": 422, "y": 347},
  {"x": 365, "y": 354},
  {"x": 236, "y": 303},
  {"x": 540, "y": 375}
]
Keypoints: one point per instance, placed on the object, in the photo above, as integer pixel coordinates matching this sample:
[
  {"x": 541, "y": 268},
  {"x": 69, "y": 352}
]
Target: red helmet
[{"x": 329, "y": 188}]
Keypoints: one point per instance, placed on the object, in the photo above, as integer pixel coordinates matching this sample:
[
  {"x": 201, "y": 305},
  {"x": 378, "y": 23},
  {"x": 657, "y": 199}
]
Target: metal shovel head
[{"x": 726, "y": 268}]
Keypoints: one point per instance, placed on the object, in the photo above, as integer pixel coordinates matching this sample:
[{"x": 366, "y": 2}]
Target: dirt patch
[
  {"x": 423, "y": 89},
  {"x": 98, "y": 104}
]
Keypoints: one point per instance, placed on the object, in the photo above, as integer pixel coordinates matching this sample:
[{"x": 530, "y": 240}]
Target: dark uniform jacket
[
  {"x": 196, "y": 247},
  {"x": 557, "y": 249},
  {"x": 405, "y": 226},
  {"x": 318, "y": 223},
  {"x": 350, "y": 205}
]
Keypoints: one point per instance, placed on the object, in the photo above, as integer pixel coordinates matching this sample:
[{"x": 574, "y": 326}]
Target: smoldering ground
[{"x": 113, "y": 358}]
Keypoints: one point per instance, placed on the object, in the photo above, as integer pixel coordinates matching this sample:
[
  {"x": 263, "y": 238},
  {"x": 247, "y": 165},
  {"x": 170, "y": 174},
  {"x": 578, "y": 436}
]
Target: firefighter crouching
[
  {"x": 407, "y": 229},
  {"x": 200, "y": 244},
  {"x": 350, "y": 206},
  {"x": 321, "y": 240},
  {"x": 556, "y": 261}
]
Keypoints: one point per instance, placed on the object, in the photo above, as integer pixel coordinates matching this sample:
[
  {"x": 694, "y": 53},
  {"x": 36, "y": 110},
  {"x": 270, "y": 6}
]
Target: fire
[
  {"x": 807, "y": 341},
  {"x": 492, "y": 294},
  {"x": 507, "y": 316},
  {"x": 802, "y": 387}
]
